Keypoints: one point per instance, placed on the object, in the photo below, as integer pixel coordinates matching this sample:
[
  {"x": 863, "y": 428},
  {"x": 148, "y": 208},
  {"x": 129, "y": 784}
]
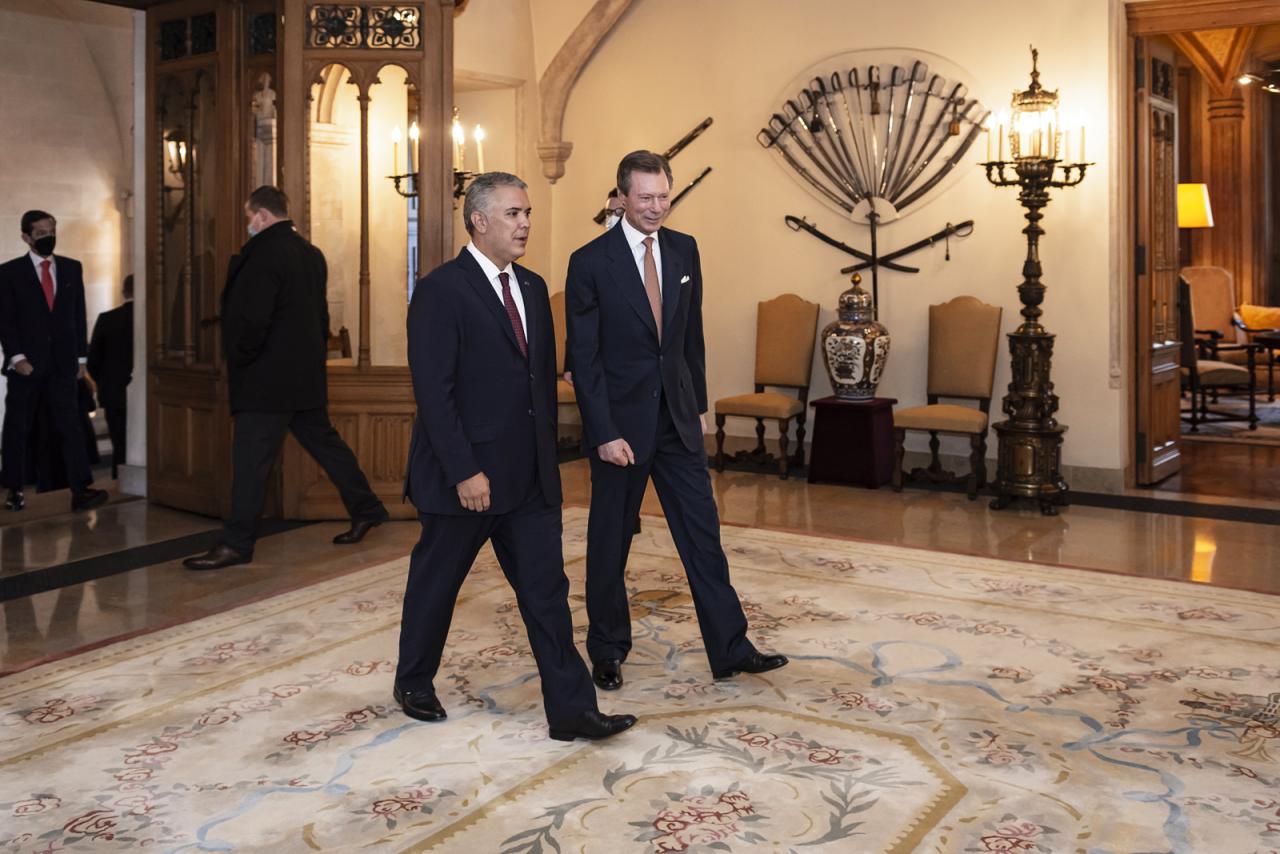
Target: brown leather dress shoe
[
  {"x": 217, "y": 557},
  {"x": 359, "y": 527}
]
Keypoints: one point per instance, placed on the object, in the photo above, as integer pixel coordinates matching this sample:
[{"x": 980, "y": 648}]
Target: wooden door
[
  {"x": 1157, "y": 375},
  {"x": 196, "y": 142}
]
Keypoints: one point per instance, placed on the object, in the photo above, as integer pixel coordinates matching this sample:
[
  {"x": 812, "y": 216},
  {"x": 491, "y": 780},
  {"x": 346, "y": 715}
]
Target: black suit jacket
[
  {"x": 275, "y": 323},
  {"x": 53, "y": 341},
  {"x": 620, "y": 373},
  {"x": 111, "y": 355},
  {"x": 482, "y": 407}
]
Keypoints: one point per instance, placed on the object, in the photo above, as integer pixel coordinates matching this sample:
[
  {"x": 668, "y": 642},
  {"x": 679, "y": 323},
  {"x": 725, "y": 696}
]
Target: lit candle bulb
[
  {"x": 478, "y": 136},
  {"x": 414, "y": 135},
  {"x": 395, "y": 149},
  {"x": 1082, "y": 158},
  {"x": 459, "y": 137}
]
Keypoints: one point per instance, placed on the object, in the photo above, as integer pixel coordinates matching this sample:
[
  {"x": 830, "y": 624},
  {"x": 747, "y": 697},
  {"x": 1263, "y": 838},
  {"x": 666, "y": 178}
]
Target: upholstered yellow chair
[
  {"x": 1221, "y": 326},
  {"x": 786, "y": 327},
  {"x": 1204, "y": 371},
  {"x": 964, "y": 338}
]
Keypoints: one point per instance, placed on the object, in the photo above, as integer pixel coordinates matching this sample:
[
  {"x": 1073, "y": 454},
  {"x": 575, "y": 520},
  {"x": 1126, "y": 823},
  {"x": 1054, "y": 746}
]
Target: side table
[
  {"x": 852, "y": 441},
  {"x": 1270, "y": 342}
]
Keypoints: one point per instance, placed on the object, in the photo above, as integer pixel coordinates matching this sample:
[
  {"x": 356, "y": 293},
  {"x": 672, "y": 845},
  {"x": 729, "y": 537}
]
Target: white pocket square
[{"x": 685, "y": 279}]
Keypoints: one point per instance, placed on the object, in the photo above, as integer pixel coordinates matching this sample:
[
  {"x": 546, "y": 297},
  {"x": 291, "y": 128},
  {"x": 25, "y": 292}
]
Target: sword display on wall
[
  {"x": 695, "y": 182},
  {"x": 872, "y": 141},
  {"x": 680, "y": 145}
]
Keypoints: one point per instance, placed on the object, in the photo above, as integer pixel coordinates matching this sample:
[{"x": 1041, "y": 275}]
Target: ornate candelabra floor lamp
[{"x": 1029, "y": 458}]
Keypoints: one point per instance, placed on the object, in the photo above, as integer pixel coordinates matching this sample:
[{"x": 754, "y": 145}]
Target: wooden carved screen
[{"x": 1157, "y": 375}]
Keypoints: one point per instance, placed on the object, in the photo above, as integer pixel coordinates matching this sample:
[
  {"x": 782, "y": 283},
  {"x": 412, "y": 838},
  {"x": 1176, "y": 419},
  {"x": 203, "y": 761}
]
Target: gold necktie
[{"x": 651, "y": 284}]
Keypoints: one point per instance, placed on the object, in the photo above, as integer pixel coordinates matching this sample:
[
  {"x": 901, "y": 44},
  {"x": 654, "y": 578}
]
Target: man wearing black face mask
[{"x": 43, "y": 335}]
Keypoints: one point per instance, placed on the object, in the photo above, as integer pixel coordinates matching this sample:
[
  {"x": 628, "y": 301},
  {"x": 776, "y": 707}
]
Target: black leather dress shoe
[
  {"x": 217, "y": 557},
  {"x": 421, "y": 705},
  {"x": 756, "y": 662},
  {"x": 592, "y": 725},
  {"x": 15, "y": 500},
  {"x": 607, "y": 674},
  {"x": 359, "y": 527},
  {"x": 88, "y": 498}
]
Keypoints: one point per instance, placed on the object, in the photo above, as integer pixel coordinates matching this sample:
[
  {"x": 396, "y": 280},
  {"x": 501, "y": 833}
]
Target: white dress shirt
[
  {"x": 38, "y": 261},
  {"x": 491, "y": 272},
  {"x": 635, "y": 239}
]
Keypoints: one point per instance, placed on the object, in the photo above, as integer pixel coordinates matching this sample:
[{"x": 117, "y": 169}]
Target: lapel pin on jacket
[{"x": 685, "y": 279}]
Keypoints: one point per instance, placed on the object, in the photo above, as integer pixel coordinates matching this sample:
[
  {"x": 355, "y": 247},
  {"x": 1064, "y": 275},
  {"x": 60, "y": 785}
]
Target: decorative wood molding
[
  {"x": 1157, "y": 17},
  {"x": 561, "y": 75},
  {"x": 1218, "y": 55}
]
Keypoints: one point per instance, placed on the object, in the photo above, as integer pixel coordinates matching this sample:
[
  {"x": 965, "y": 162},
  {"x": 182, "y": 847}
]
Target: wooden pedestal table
[{"x": 852, "y": 442}]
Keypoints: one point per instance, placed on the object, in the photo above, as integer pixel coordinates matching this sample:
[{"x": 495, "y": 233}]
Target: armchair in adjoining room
[
  {"x": 964, "y": 338},
  {"x": 786, "y": 328},
  {"x": 1204, "y": 371},
  {"x": 1222, "y": 327}
]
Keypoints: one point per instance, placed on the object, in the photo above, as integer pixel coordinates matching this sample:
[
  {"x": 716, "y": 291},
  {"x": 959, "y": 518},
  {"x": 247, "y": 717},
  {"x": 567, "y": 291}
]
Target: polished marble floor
[{"x": 1208, "y": 551}]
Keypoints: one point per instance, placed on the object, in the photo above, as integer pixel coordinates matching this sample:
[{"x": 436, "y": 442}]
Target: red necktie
[
  {"x": 513, "y": 314},
  {"x": 46, "y": 282}
]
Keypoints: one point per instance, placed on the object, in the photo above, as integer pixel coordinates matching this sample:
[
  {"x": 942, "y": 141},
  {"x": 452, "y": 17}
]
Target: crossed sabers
[{"x": 874, "y": 260}]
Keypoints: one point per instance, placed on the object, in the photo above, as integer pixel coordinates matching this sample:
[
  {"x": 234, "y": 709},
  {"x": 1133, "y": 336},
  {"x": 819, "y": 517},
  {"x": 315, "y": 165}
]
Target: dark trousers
[
  {"x": 61, "y": 396},
  {"x": 527, "y": 543},
  {"x": 684, "y": 487},
  {"x": 253, "y": 451},
  {"x": 117, "y": 418}
]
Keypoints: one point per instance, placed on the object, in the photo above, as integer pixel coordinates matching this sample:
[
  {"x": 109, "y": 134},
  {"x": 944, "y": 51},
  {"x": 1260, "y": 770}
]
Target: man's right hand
[
  {"x": 474, "y": 493},
  {"x": 617, "y": 452},
  {"x": 24, "y": 368},
  {"x": 568, "y": 377}
]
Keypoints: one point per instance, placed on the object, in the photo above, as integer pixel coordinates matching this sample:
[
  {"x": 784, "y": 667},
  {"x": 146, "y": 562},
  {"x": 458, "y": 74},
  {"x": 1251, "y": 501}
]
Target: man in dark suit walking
[
  {"x": 275, "y": 337},
  {"x": 633, "y": 302},
  {"x": 482, "y": 460},
  {"x": 111, "y": 366},
  {"x": 42, "y": 333}
]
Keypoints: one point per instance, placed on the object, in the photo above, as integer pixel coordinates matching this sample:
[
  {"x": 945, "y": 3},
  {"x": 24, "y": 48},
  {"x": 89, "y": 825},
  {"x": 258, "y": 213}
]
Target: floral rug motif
[{"x": 934, "y": 702}]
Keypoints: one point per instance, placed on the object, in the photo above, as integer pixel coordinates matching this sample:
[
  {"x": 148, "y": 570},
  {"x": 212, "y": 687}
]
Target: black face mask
[{"x": 44, "y": 245}]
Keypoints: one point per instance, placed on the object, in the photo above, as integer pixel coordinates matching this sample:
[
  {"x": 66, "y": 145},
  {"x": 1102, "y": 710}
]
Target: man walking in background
[
  {"x": 275, "y": 336},
  {"x": 111, "y": 366},
  {"x": 43, "y": 336},
  {"x": 633, "y": 303},
  {"x": 482, "y": 460}
]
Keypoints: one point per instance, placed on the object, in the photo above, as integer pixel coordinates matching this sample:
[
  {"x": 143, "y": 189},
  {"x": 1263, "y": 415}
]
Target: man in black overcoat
[
  {"x": 275, "y": 338},
  {"x": 111, "y": 366},
  {"x": 43, "y": 336}
]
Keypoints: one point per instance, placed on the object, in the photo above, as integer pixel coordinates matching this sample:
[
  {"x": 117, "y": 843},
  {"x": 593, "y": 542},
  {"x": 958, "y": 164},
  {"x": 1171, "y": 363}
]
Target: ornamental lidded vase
[{"x": 855, "y": 346}]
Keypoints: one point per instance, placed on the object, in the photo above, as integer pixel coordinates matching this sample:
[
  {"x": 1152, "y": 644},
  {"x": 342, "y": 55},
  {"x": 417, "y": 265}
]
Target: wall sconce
[
  {"x": 175, "y": 155},
  {"x": 461, "y": 177},
  {"x": 1029, "y": 462}
]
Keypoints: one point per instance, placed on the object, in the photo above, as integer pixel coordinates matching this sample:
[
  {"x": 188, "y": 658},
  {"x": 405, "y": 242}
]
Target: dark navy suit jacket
[
  {"x": 482, "y": 406},
  {"x": 620, "y": 373},
  {"x": 53, "y": 341}
]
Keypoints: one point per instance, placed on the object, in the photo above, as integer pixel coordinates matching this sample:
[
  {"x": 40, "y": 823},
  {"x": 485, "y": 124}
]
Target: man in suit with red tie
[
  {"x": 482, "y": 459},
  {"x": 45, "y": 342},
  {"x": 633, "y": 302}
]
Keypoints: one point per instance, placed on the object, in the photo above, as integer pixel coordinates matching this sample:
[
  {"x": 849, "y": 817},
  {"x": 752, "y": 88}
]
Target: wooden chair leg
[
  {"x": 760, "y": 437},
  {"x": 719, "y": 442},
  {"x": 783, "y": 459},
  {"x": 899, "y": 451},
  {"x": 982, "y": 460},
  {"x": 935, "y": 444},
  {"x": 975, "y": 463},
  {"x": 799, "y": 455}
]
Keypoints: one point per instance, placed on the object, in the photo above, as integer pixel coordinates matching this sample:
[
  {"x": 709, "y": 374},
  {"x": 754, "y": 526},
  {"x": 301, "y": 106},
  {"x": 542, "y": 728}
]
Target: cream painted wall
[
  {"x": 669, "y": 63},
  {"x": 553, "y": 23},
  {"x": 66, "y": 133},
  {"x": 493, "y": 47}
]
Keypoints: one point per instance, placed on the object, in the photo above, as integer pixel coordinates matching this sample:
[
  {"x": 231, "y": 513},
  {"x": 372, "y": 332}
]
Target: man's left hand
[
  {"x": 702, "y": 418},
  {"x": 80, "y": 372}
]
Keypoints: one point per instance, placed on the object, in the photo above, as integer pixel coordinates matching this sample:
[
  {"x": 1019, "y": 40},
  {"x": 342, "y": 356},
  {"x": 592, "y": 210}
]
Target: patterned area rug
[
  {"x": 934, "y": 703},
  {"x": 1267, "y": 432}
]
